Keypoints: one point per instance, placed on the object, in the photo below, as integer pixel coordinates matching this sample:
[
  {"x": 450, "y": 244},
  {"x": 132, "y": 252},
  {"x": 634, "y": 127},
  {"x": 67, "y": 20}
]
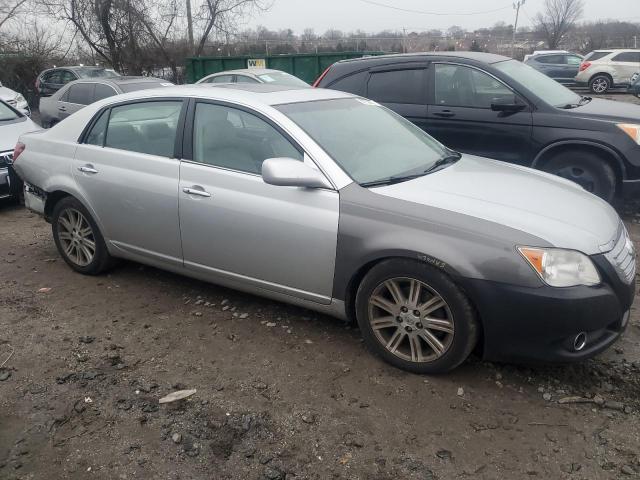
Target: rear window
[
  {"x": 397, "y": 86},
  {"x": 596, "y": 55},
  {"x": 132, "y": 87}
]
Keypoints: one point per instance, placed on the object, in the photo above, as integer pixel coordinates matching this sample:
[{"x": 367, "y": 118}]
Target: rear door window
[
  {"x": 353, "y": 83},
  {"x": 81, "y": 93},
  {"x": 627, "y": 57},
  {"x": 103, "y": 91},
  {"x": 552, "y": 59},
  {"x": 245, "y": 79},
  {"x": 145, "y": 127},
  {"x": 573, "y": 60},
  {"x": 221, "y": 79},
  {"x": 97, "y": 134},
  {"x": 398, "y": 86}
]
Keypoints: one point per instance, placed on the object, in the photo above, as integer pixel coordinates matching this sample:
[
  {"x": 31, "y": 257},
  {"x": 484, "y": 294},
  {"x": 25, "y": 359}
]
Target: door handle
[
  {"x": 196, "y": 191},
  {"x": 87, "y": 169},
  {"x": 445, "y": 114}
]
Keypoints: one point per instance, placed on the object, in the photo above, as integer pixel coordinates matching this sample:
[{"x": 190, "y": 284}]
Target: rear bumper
[{"x": 541, "y": 324}]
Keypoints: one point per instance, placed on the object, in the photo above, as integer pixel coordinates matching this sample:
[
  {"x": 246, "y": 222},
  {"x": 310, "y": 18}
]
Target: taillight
[
  {"x": 584, "y": 66},
  {"x": 321, "y": 77},
  {"x": 17, "y": 151}
]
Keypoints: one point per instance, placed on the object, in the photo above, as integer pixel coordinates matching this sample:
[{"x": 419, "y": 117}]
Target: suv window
[
  {"x": 103, "y": 91},
  {"x": 593, "y": 56},
  {"x": 573, "y": 60},
  {"x": 353, "y": 83},
  {"x": 627, "y": 57},
  {"x": 232, "y": 138},
  {"x": 145, "y": 127},
  {"x": 98, "y": 131},
  {"x": 81, "y": 93},
  {"x": 460, "y": 86},
  {"x": 553, "y": 59},
  {"x": 397, "y": 86}
]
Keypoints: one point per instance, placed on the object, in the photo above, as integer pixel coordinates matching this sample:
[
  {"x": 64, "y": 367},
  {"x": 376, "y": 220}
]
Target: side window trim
[{"x": 432, "y": 83}]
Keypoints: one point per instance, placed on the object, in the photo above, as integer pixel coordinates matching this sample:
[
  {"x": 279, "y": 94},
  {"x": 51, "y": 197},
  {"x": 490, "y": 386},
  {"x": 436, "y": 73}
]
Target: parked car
[
  {"x": 291, "y": 194},
  {"x": 77, "y": 94},
  {"x": 53, "y": 79},
  {"x": 255, "y": 75},
  {"x": 543, "y": 52},
  {"x": 562, "y": 67},
  {"x": 634, "y": 86},
  {"x": 496, "y": 107},
  {"x": 13, "y": 123},
  {"x": 14, "y": 99},
  {"x": 603, "y": 70}
]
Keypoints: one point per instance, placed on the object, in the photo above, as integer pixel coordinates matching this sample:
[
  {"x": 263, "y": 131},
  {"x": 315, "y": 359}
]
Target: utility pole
[
  {"x": 190, "y": 24},
  {"x": 516, "y": 7}
]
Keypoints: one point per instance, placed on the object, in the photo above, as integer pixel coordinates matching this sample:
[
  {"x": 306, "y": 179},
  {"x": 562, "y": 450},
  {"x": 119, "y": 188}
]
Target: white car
[
  {"x": 544, "y": 52},
  {"x": 14, "y": 99},
  {"x": 603, "y": 70},
  {"x": 13, "y": 123}
]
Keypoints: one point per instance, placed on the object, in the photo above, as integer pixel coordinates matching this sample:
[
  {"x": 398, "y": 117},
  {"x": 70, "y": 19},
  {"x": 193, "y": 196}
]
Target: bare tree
[
  {"x": 557, "y": 19},
  {"x": 9, "y": 9}
]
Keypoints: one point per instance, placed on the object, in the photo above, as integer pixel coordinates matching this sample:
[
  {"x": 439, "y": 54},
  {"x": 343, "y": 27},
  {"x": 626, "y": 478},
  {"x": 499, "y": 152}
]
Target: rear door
[
  {"x": 402, "y": 88},
  {"x": 460, "y": 114},
  {"x": 127, "y": 170},
  {"x": 76, "y": 97},
  {"x": 571, "y": 69},
  {"x": 626, "y": 65},
  {"x": 237, "y": 228},
  {"x": 553, "y": 66}
]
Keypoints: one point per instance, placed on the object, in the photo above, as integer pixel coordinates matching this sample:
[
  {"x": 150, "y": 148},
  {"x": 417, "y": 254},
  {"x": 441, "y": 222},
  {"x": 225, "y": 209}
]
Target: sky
[{"x": 351, "y": 15}]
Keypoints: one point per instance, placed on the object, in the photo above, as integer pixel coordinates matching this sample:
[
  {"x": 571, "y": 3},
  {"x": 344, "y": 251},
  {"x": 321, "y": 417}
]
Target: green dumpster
[{"x": 307, "y": 67}]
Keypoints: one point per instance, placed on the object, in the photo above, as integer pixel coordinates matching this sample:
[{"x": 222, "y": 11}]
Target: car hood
[
  {"x": 10, "y": 132},
  {"x": 7, "y": 94},
  {"x": 608, "y": 110},
  {"x": 548, "y": 207}
]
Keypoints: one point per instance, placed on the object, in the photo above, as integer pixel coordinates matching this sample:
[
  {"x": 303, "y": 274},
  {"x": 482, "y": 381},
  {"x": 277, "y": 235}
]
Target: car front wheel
[
  {"x": 586, "y": 169},
  {"x": 415, "y": 317},
  {"x": 600, "y": 84},
  {"x": 78, "y": 238}
]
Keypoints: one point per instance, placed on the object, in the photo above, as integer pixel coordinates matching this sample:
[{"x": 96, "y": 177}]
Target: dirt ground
[{"x": 281, "y": 392}]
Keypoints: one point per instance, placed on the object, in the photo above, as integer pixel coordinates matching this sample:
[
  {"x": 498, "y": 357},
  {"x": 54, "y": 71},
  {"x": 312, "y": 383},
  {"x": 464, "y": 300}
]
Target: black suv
[
  {"x": 52, "y": 80},
  {"x": 496, "y": 107}
]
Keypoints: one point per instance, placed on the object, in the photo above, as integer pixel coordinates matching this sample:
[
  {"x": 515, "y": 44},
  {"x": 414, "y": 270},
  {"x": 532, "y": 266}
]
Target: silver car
[
  {"x": 254, "y": 75},
  {"x": 330, "y": 201},
  {"x": 80, "y": 93}
]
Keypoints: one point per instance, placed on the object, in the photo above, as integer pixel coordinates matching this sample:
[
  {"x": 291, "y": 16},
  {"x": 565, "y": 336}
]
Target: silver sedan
[{"x": 330, "y": 201}]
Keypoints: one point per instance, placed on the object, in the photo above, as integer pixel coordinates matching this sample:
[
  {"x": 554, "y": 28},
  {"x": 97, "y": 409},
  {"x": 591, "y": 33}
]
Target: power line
[{"x": 422, "y": 12}]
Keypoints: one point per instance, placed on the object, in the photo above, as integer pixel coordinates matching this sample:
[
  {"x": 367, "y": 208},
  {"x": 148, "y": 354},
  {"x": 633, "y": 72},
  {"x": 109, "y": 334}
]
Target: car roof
[
  {"x": 257, "y": 94},
  {"x": 475, "y": 56},
  {"x": 615, "y": 50},
  {"x": 248, "y": 71}
]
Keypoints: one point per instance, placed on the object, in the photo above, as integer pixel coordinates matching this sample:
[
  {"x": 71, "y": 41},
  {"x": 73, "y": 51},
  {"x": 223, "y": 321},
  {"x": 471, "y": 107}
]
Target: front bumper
[{"x": 541, "y": 324}]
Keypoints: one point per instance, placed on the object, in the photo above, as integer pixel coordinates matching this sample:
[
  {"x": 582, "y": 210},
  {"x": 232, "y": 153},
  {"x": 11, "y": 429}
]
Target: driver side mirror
[
  {"x": 288, "y": 172},
  {"x": 507, "y": 105}
]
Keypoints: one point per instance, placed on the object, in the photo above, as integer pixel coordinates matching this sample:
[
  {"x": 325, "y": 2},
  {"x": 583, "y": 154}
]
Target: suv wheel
[
  {"x": 78, "y": 238},
  {"x": 586, "y": 169},
  {"x": 600, "y": 84},
  {"x": 415, "y": 317}
]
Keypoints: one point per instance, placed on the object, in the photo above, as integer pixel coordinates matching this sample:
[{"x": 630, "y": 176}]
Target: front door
[
  {"x": 127, "y": 171},
  {"x": 460, "y": 115},
  {"x": 238, "y": 228}
]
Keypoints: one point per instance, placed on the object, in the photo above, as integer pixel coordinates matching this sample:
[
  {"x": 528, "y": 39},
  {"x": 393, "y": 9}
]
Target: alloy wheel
[
  {"x": 411, "y": 320},
  {"x": 76, "y": 237},
  {"x": 600, "y": 85}
]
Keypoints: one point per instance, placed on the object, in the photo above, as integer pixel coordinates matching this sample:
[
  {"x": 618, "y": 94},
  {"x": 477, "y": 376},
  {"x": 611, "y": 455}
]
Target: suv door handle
[
  {"x": 87, "y": 169},
  {"x": 444, "y": 113},
  {"x": 198, "y": 191}
]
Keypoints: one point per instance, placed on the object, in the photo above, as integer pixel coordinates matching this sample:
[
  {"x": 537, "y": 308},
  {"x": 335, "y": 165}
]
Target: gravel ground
[{"x": 281, "y": 392}]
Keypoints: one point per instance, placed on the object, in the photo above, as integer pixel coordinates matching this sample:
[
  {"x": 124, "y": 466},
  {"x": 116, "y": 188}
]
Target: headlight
[
  {"x": 561, "y": 268},
  {"x": 632, "y": 130}
]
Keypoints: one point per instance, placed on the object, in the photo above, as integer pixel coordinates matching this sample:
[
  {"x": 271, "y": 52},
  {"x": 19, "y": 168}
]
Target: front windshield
[
  {"x": 368, "y": 141},
  {"x": 7, "y": 113},
  {"x": 282, "y": 78},
  {"x": 90, "y": 72},
  {"x": 546, "y": 88}
]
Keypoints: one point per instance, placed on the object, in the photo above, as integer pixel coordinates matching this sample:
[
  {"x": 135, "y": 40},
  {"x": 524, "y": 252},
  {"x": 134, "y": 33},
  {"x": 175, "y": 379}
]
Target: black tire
[
  {"x": 465, "y": 325},
  {"x": 101, "y": 260},
  {"x": 588, "y": 170},
  {"x": 600, "y": 83}
]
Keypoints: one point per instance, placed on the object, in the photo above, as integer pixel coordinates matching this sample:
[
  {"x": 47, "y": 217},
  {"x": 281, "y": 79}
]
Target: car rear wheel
[
  {"x": 586, "y": 169},
  {"x": 415, "y": 317},
  {"x": 78, "y": 238},
  {"x": 600, "y": 84}
]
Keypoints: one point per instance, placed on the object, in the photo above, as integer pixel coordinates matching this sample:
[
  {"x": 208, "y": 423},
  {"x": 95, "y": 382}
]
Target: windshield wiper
[
  {"x": 452, "y": 157},
  {"x": 582, "y": 101}
]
